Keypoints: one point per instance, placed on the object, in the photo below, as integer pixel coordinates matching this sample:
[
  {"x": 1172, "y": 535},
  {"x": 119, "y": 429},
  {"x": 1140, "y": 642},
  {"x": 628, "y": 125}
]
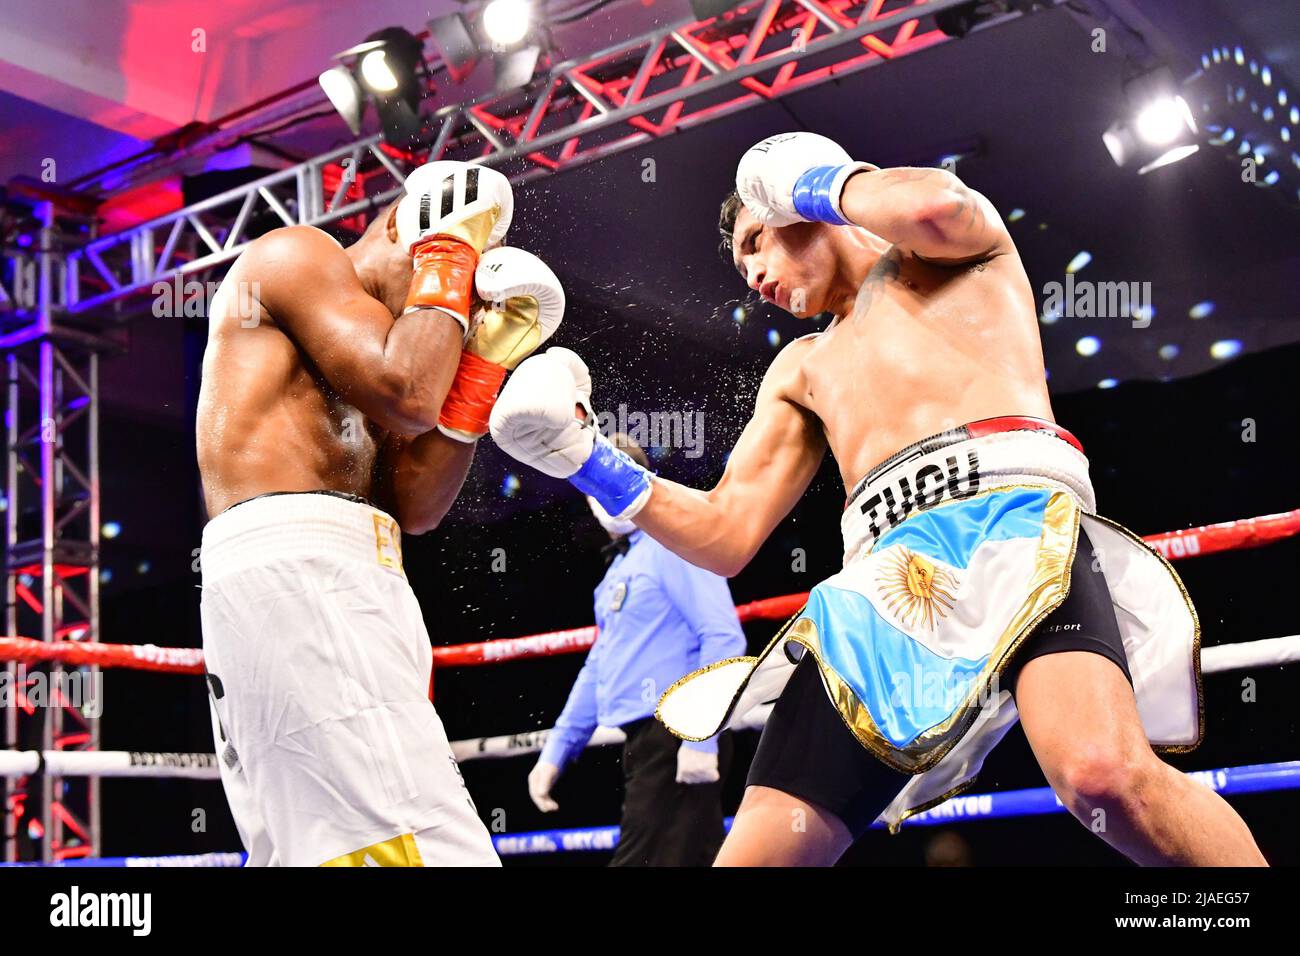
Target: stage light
[
  {"x": 1015, "y": 215},
  {"x": 454, "y": 40},
  {"x": 1088, "y": 346},
  {"x": 376, "y": 73},
  {"x": 1169, "y": 352},
  {"x": 773, "y": 338},
  {"x": 512, "y": 69},
  {"x": 389, "y": 66},
  {"x": 1108, "y": 383},
  {"x": 345, "y": 94},
  {"x": 1079, "y": 261},
  {"x": 110, "y": 529},
  {"x": 1161, "y": 121},
  {"x": 506, "y": 22},
  {"x": 1225, "y": 349},
  {"x": 1157, "y": 129}
]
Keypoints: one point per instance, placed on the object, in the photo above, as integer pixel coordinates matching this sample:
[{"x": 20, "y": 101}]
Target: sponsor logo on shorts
[
  {"x": 388, "y": 543},
  {"x": 923, "y": 489}
]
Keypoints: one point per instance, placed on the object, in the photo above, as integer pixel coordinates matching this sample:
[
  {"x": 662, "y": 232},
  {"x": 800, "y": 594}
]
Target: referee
[{"x": 658, "y": 618}]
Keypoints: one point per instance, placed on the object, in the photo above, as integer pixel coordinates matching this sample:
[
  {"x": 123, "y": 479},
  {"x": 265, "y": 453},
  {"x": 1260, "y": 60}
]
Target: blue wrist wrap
[
  {"x": 611, "y": 477},
  {"x": 812, "y": 195}
]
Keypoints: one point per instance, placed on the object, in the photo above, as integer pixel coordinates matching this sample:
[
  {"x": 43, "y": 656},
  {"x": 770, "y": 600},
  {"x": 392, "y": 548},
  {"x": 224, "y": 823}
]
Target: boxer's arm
[
  {"x": 419, "y": 478},
  {"x": 395, "y": 371},
  {"x": 770, "y": 468},
  {"x": 929, "y": 212}
]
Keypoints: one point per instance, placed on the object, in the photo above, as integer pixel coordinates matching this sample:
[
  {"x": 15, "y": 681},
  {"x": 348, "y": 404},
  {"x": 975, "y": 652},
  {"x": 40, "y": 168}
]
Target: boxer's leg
[
  {"x": 774, "y": 828},
  {"x": 1082, "y": 722},
  {"x": 812, "y": 788}
]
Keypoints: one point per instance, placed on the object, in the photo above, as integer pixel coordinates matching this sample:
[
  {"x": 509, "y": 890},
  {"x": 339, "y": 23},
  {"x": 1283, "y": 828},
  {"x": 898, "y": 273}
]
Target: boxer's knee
[{"x": 1107, "y": 777}]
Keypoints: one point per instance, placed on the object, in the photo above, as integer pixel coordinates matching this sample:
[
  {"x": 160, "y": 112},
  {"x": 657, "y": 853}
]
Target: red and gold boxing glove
[{"x": 523, "y": 305}]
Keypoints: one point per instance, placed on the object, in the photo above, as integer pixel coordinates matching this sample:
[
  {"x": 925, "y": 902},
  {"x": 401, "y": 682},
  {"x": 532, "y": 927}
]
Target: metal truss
[
  {"x": 52, "y": 572},
  {"x": 661, "y": 83}
]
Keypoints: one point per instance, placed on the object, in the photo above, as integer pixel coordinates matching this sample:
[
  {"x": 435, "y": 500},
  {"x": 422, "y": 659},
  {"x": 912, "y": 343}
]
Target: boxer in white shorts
[{"x": 343, "y": 393}]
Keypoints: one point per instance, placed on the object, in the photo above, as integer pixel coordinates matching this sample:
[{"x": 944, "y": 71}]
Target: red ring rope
[{"x": 1174, "y": 545}]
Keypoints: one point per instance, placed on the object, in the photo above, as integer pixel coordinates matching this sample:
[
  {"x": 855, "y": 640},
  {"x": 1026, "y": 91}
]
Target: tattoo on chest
[{"x": 885, "y": 271}]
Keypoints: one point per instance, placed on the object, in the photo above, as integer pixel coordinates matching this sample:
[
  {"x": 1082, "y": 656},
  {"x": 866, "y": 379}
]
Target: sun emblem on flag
[{"x": 915, "y": 589}]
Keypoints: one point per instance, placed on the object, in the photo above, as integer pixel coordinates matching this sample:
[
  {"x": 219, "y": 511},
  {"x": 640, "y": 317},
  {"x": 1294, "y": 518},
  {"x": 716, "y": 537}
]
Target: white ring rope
[{"x": 1270, "y": 652}]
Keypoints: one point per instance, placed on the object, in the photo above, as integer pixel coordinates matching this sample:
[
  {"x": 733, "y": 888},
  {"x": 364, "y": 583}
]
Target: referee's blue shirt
[{"x": 659, "y": 618}]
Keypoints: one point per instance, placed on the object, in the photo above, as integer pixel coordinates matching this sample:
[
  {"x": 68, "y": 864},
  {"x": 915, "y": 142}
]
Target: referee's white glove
[{"x": 696, "y": 766}]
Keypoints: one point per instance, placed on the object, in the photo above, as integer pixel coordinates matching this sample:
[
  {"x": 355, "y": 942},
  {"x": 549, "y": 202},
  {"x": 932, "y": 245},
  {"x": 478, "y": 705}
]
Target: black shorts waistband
[{"x": 346, "y": 496}]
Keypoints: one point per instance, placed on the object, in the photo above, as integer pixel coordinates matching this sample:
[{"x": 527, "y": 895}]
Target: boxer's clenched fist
[
  {"x": 451, "y": 213},
  {"x": 536, "y": 420},
  {"x": 523, "y": 304},
  {"x": 544, "y": 419},
  {"x": 795, "y": 177}
]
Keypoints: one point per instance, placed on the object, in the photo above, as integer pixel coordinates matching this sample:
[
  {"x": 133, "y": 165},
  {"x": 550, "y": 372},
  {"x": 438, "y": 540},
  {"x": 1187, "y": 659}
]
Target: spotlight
[
  {"x": 506, "y": 22},
  {"x": 376, "y": 73},
  {"x": 1158, "y": 128},
  {"x": 455, "y": 42},
  {"x": 389, "y": 66},
  {"x": 391, "y": 61},
  {"x": 345, "y": 94},
  {"x": 1161, "y": 122},
  {"x": 514, "y": 68}
]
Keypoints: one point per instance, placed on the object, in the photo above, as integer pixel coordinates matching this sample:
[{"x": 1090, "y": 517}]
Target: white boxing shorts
[{"x": 318, "y": 665}]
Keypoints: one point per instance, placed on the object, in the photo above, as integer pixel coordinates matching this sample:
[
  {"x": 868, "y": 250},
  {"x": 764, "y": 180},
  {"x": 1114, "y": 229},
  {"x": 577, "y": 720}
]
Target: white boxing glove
[
  {"x": 471, "y": 202},
  {"x": 795, "y": 177},
  {"x": 534, "y": 419},
  {"x": 512, "y": 281}
]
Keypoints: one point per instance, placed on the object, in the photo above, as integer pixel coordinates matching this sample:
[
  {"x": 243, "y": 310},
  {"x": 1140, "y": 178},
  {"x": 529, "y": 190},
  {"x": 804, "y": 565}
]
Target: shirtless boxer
[
  {"x": 973, "y": 561},
  {"x": 342, "y": 411}
]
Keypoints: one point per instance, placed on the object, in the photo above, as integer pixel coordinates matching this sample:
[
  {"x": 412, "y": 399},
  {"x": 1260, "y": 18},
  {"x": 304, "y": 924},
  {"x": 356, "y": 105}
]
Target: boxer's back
[
  {"x": 926, "y": 348},
  {"x": 267, "y": 420}
]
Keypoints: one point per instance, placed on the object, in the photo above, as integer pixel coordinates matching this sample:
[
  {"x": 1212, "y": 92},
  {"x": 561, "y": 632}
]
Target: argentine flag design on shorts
[{"x": 912, "y": 627}]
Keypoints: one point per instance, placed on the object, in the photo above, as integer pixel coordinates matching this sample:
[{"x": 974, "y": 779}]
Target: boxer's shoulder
[
  {"x": 787, "y": 374},
  {"x": 305, "y": 243},
  {"x": 295, "y": 265}
]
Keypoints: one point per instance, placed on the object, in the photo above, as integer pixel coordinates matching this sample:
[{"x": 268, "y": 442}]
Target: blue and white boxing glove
[
  {"x": 543, "y": 418},
  {"x": 795, "y": 177}
]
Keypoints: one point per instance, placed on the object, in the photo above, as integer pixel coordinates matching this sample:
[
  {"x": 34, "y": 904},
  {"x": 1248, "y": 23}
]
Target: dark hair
[{"x": 727, "y": 225}]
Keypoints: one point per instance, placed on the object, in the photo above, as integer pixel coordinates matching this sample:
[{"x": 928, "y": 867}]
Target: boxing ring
[{"x": 28, "y": 765}]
